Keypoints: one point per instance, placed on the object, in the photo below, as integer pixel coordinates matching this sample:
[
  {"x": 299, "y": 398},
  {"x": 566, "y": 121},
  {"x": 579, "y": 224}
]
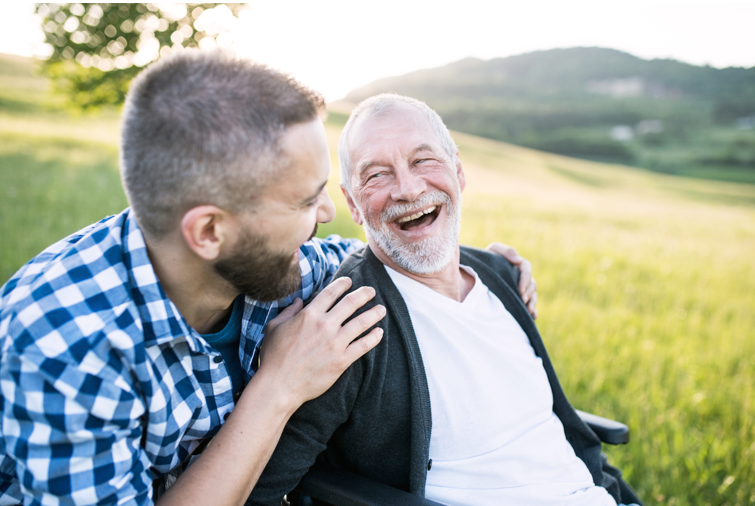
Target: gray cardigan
[{"x": 376, "y": 421}]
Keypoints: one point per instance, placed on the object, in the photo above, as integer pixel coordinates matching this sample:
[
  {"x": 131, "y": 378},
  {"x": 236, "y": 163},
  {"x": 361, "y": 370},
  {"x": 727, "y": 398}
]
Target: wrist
[{"x": 271, "y": 391}]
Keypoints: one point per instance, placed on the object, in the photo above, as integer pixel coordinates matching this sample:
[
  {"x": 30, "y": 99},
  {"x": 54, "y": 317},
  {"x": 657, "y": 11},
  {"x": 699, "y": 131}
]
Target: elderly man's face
[{"x": 406, "y": 190}]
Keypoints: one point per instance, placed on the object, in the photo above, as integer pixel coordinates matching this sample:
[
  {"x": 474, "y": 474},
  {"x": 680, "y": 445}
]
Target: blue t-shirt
[{"x": 226, "y": 341}]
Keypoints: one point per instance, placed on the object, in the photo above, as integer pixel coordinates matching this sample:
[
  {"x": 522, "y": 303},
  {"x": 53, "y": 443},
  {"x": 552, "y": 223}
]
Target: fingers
[
  {"x": 349, "y": 304},
  {"x": 524, "y": 266},
  {"x": 361, "y": 323},
  {"x": 286, "y": 314},
  {"x": 525, "y": 279},
  {"x": 505, "y": 251},
  {"x": 531, "y": 306},
  {"x": 527, "y": 285},
  {"x": 363, "y": 345},
  {"x": 329, "y": 295}
]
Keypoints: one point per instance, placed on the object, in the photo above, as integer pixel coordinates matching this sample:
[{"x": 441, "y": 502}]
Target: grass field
[{"x": 646, "y": 282}]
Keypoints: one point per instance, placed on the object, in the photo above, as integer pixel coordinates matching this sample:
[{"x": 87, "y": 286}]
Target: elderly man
[
  {"x": 459, "y": 402},
  {"x": 126, "y": 346}
]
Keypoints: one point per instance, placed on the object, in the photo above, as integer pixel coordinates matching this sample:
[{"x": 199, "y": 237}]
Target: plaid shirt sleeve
[
  {"x": 70, "y": 426},
  {"x": 104, "y": 385},
  {"x": 319, "y": 259},
  {"x": 75, "y": 429}
]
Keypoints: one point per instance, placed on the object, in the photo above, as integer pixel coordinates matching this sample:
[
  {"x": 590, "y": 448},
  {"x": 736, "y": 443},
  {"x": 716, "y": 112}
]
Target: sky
[{"x": 335, "y": 46}]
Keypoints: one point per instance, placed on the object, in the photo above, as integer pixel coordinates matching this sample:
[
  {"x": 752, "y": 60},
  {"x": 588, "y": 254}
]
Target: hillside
[
  {"x": 646, "y": 282},
  {"x": 601, "y": 104}
]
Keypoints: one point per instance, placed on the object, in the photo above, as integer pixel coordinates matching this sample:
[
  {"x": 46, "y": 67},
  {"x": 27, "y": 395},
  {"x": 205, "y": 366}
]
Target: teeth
[{"x": 416, "y": 215}]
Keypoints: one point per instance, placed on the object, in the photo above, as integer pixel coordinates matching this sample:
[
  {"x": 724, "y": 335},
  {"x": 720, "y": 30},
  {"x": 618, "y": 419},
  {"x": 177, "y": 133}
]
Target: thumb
[{"x": 286, "y": 314}]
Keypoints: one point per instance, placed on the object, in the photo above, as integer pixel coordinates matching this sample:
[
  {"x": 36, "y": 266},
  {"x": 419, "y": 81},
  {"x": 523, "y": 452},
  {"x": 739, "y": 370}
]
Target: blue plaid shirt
[{"x": 92, "y": 353}]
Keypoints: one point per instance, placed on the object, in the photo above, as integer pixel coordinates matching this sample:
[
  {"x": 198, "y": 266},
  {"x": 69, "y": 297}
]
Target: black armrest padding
[
  {"x": 609, "y": 431},
  {"x": 342, "y": 488}
]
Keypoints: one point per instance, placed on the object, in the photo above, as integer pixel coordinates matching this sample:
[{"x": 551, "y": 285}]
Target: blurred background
[{"x": 612, "y": 143}]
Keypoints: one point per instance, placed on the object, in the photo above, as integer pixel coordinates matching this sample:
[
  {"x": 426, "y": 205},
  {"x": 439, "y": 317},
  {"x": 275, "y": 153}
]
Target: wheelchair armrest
[
  {"x": 341, "y": 488},
  {"x": 609, "y": 431}
]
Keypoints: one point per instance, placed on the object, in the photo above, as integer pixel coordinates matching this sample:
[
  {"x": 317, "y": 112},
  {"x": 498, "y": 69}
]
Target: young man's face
[
  {"x": 406, "y": 190},
  {"x": 264, "y": 261}
]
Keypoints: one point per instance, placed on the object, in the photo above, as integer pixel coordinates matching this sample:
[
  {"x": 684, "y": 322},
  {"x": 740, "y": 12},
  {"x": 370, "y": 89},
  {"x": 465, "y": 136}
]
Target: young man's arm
[
  {"x": 306, "y": 351},
  {"x": 72, "y": 422}
]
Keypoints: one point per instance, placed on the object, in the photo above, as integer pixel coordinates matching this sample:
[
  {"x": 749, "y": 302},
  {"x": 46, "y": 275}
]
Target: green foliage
[
  {"x": 90, "y": 87},
  {"x": 96, "y": 49},
  {"x": 581, "y": 143}
]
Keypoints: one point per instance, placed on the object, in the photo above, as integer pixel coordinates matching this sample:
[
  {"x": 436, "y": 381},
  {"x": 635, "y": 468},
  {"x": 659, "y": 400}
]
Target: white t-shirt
[{"x": 495, "y": 438}]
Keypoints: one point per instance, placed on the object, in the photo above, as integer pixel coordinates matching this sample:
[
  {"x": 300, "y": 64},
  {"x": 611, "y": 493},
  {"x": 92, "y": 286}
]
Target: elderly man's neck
[{"x": 451, "y": 281}]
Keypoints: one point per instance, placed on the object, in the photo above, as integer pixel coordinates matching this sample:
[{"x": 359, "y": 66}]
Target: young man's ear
[
  {"x": 460, "y": 172},
  {"x": 206, "y": 229},
  {"x": 353, "y": 209}
]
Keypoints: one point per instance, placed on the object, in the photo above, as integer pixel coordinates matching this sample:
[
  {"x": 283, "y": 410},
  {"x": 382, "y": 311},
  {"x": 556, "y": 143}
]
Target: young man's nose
[
  {"x": 327, "y": 210},
  {"x": 408, "y": 186}
]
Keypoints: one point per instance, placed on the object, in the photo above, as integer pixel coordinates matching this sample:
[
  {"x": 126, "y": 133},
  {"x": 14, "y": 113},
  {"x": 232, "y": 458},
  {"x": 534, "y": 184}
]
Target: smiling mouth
[{"x": 419, "y": 219}]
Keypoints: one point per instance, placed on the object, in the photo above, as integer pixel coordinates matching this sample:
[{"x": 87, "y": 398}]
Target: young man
[
  {"x": 123, "y": 347},
  {"x": 459, "y": 403}
]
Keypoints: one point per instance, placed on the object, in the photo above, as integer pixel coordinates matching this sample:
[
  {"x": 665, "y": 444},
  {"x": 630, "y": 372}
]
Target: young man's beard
[{"x": 258, "y": 272}]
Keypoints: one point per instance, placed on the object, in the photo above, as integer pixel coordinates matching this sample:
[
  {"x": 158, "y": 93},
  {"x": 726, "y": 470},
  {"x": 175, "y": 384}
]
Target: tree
[{"x": 96, "y": 49}]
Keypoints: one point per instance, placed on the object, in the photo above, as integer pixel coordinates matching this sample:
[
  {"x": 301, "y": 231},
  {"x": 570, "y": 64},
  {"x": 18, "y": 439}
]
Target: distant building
[
  {"x": 621, "y": 87},
  {"x": 618, "y": 87},
  {"x": 622, "y": 133}
]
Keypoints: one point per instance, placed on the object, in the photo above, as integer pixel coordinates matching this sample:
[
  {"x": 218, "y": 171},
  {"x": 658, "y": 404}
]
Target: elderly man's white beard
[{"x": 429, "y": 255}]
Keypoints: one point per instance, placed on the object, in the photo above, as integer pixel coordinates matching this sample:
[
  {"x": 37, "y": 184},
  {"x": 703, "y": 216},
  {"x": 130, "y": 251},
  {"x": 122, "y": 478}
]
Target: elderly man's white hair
[{"x": 380, "y": 105}]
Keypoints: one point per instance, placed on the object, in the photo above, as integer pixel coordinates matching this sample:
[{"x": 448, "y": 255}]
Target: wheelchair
[{"x": 335, "y": 487}]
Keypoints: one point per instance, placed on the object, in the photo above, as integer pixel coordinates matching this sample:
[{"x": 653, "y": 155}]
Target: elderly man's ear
[
  {"x": 353, "y": 209},
  {"x": 460, "y": 172}
]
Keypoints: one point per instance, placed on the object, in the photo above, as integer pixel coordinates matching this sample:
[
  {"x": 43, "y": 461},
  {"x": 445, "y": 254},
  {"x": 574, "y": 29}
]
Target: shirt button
[
  {"x": 225, "y": 416},
  {"x": 217, "y": 359},
  {"x": 429, "y": 464}
]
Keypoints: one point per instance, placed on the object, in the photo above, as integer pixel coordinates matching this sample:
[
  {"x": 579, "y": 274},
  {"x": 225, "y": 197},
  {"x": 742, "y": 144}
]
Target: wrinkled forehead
[{"x": 400, "y": 127}]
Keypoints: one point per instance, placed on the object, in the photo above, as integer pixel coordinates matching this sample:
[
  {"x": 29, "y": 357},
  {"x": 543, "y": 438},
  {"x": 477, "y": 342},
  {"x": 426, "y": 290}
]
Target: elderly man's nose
[{"x": 408, "y": 186}]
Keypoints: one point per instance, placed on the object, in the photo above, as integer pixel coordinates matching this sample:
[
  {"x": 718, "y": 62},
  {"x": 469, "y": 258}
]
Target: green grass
[
  {"x": 51, "y": 187},
  {"x": 647, "y": 303},
  {"x": 646, "y": 281}
]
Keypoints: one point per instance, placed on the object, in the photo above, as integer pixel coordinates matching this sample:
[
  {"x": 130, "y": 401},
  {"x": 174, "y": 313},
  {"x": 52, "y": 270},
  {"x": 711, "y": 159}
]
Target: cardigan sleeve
[{"x": 306, "y": 436}]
